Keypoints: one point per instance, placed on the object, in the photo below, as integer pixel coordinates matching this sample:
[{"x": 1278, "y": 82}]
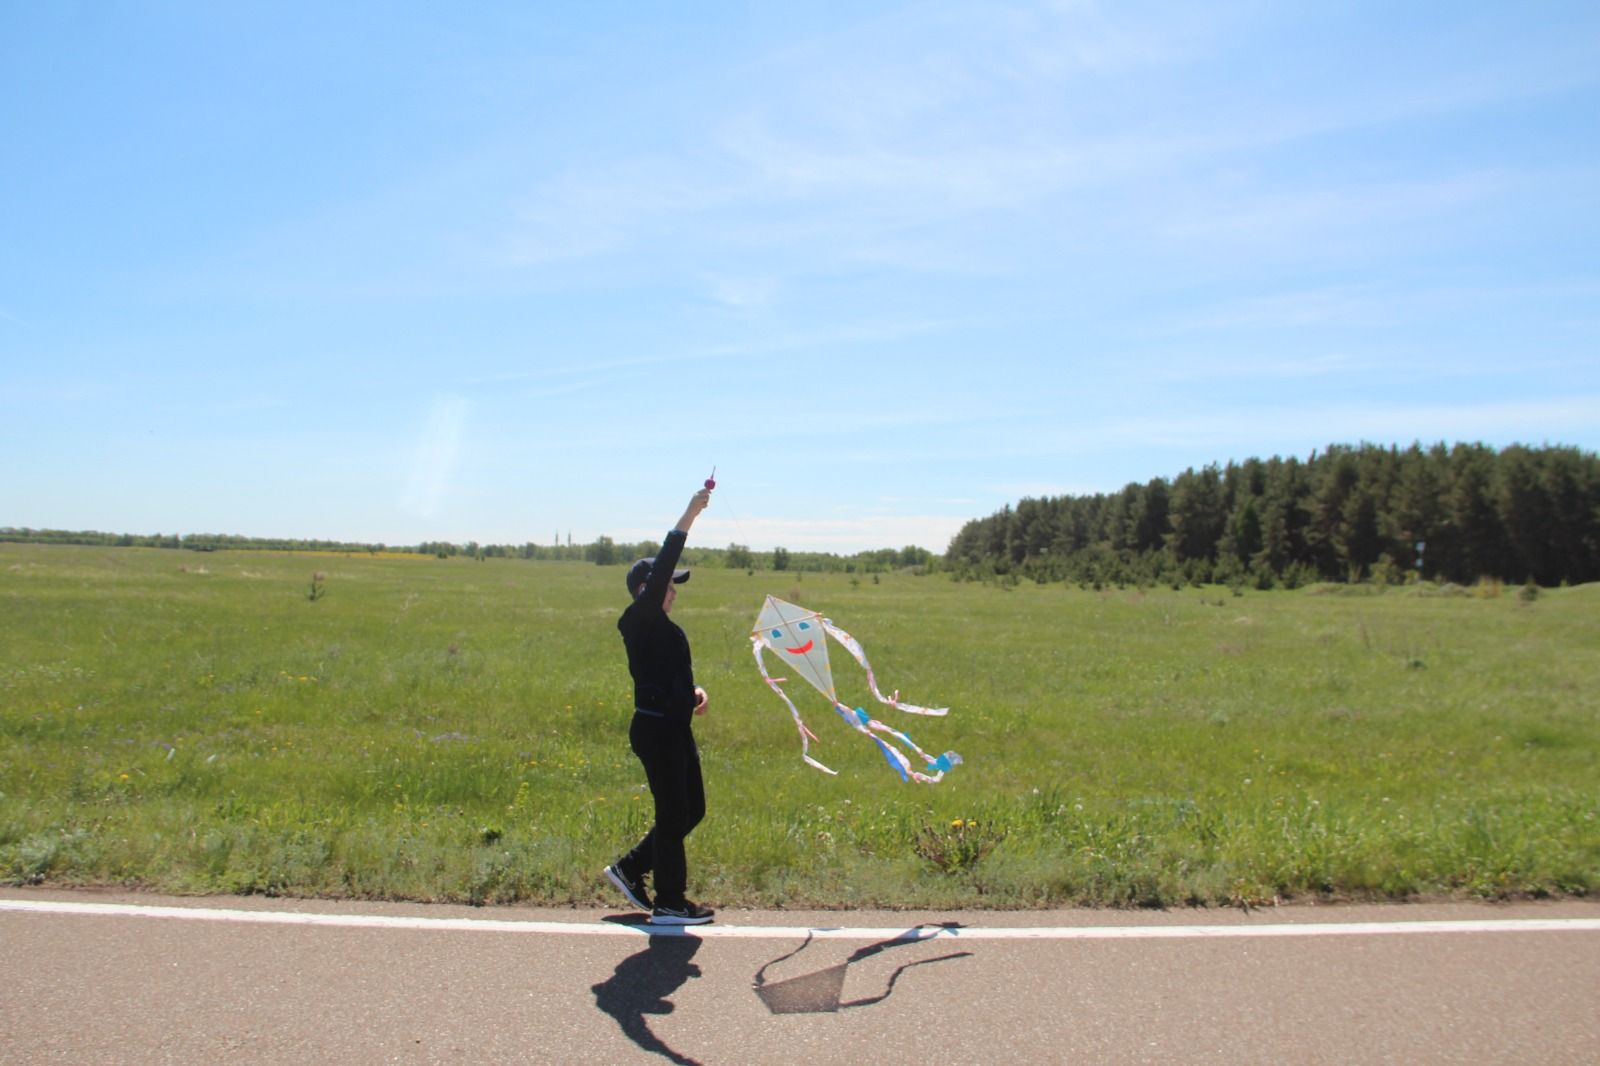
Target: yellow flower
[{"x": 956, "y": 824}]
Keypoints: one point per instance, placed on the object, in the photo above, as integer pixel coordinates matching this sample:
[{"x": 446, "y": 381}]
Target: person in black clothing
[{"x": 665, "y": 700}]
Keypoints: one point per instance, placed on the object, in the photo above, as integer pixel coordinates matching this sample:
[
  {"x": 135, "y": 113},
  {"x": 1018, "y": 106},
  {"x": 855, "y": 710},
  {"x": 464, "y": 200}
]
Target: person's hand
[
  {"x": 697, "y": 503},
  {"x": 700, "y": 701}
]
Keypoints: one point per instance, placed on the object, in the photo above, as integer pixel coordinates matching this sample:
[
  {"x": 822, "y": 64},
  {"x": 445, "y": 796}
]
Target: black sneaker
[
  {"x": 632, "y": 887},
  {"x": 688, "y": 914}
]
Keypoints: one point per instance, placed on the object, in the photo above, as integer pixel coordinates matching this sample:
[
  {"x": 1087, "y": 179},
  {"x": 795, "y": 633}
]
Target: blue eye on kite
[
  {"x": 777, "y": 634},
  {"x": 804, "y": 625}
]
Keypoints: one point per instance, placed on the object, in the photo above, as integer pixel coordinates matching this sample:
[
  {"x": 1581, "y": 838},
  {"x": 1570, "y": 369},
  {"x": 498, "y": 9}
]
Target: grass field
[{"x": 456, "y": 730}]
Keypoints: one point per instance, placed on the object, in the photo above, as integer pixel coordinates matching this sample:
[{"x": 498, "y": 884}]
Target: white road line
[{"x": 780, "y": 932}]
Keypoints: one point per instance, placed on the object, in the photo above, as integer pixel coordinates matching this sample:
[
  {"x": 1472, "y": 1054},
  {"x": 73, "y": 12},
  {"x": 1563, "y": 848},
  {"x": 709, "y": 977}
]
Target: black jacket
[{"x": 658, "y": 651}]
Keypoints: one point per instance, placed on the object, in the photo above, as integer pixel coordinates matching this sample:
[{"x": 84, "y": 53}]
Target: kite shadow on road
[
  {"x": 819, "y": 992},
  {"x": 640, "y": 986}
]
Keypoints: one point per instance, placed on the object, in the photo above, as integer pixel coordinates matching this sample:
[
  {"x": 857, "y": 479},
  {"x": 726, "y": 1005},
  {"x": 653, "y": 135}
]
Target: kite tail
[
  {"x": 864, "y": 723},
  {"x": 939, "y": 766},
  {"x": 806, "y": 736},
  {"x": 853, "y": 646}
]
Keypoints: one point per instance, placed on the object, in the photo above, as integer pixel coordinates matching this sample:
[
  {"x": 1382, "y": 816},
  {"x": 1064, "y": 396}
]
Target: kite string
[{"x": 738, "y": 528}]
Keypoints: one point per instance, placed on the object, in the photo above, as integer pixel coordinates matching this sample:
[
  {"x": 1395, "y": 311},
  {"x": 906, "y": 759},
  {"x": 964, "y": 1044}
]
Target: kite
[{"x": 798, "y": 637}]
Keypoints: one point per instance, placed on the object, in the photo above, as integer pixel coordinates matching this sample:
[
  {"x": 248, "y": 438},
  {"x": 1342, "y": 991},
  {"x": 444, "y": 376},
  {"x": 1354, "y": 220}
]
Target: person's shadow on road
[{"x": 640, "y": 987}]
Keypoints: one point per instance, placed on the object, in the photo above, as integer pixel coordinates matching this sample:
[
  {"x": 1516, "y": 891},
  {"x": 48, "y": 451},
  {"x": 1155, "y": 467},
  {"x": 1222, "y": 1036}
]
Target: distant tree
[
  {"x": 1242, "y": 539},
  {"x": 1197, "y": 516},
  {"x": 1151, "y": 516},
  {"x": 1475, "y": 520},
  {"x": 911, "y": 555},
  {"x": 1334, "y": 478},
  {"x": 1356, "y": 538},
  {"x": 1033, "y": 530}
]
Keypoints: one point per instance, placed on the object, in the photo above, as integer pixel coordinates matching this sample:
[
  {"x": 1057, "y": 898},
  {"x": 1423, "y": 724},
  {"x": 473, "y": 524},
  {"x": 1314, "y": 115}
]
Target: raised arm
[
  {"x": 655, "y": 589},
  {"x": 697, "y": 503}
]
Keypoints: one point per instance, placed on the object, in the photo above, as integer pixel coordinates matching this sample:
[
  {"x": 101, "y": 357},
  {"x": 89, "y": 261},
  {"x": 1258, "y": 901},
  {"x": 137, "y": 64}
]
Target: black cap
[{"x": 639, "y": 573}]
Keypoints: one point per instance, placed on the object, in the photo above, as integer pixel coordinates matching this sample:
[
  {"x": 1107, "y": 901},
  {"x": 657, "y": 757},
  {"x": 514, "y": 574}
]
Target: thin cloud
[
  {"x": 823, "y": 339},
  {"x": 1287, "y": 218},
  {"x": 586, "y": 213},
  {"x": 17, "y": 320},
  {"x": 436, "y": 457},
  {"x": 1364, "y": 306},
  {"x": 841, "y": 534},
  {"x": 1225, "y": 431},
  {"x": 742, "y": 293}
]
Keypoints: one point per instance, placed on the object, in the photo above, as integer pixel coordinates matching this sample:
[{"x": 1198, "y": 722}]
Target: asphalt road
[{"x": 1044, "y": 988}]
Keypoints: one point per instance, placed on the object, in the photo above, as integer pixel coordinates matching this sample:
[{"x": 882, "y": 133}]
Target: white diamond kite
[{"x": 799, "y": 638}]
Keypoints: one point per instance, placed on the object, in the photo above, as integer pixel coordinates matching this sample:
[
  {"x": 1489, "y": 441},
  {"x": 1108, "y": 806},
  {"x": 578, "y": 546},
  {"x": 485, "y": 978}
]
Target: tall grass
[{"x": 456, "y": 730}]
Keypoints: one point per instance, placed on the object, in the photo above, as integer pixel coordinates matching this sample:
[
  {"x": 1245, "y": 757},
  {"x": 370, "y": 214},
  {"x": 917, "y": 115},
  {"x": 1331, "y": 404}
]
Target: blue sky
[{"x": 505, "y": 272}]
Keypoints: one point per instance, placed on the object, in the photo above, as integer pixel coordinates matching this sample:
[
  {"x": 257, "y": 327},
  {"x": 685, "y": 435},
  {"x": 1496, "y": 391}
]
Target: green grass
[{"x": 456, "y": 730}]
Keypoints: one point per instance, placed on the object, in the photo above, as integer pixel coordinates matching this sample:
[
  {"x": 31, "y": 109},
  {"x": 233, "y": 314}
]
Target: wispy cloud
[
  {"x": 1287, "y": 217},
  {"x": 17, "y": 320},
  {"x": 843, "y": 534},
  {"x": 554, "y": 378},
  {"x": 1223, "y": 433},
  {"x": 1292, "y": 426},
  {"x": 436, "y": 456},
  {"x": 589, "y": 212},
  {"x": 1364, "y": 305},
  {"x": 742, "y": 293},
  {"x": 881, "y": 126},
  {"x": 861, "y": 332},
  {"x": 1340, "y": 305}
]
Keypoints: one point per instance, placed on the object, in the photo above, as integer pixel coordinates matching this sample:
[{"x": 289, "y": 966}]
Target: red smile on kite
[{"x": 802, "y": 649}]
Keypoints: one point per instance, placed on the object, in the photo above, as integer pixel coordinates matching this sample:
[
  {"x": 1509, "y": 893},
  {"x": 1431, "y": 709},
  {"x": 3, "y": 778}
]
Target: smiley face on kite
[{"x": 777, "y": 634}]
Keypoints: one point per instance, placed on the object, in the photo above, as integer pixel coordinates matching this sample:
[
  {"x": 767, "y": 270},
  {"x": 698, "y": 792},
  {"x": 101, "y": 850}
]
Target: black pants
[{"x": 672, "y": 766}]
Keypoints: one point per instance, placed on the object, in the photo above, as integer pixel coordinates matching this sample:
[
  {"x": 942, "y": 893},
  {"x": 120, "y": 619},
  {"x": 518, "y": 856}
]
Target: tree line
[
  {"x": 190, "y": 541},
  {"x": 603, "y": 551},
  {"x": 1458, "y": 513}
]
